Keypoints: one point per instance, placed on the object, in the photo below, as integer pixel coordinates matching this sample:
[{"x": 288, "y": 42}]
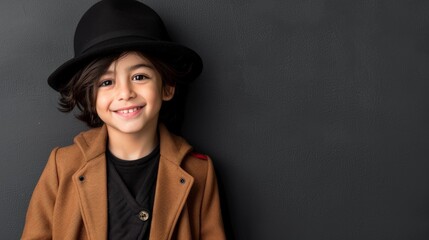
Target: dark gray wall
[{"x": 315, "y": 112}]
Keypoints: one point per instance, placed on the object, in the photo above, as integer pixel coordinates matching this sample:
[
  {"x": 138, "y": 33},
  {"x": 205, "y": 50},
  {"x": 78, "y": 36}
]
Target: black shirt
[{"x": 131, "y": 191}]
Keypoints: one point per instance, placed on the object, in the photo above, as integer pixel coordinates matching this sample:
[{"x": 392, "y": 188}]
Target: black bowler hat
[{"x": 112, "y": 26}]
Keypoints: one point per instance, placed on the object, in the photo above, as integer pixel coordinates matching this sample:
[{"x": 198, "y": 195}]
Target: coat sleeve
[
  {"x": 211, "y": 217},
  {"x": 38, "y": 222}
]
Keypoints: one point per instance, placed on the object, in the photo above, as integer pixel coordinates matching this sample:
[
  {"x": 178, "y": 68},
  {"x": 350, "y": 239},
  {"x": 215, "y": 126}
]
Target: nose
[{"x": 125, "y": 91}]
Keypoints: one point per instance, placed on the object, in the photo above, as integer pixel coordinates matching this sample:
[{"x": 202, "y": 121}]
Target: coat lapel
[
  {"x": 90, "y": 182},
  {"x": 172, "y": 187}
]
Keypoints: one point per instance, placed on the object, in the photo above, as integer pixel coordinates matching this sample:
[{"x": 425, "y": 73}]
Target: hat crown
[{"x": 113, "y": 19}]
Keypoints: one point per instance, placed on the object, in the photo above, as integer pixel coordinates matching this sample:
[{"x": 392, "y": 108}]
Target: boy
[{"x": 128, "y": 177}]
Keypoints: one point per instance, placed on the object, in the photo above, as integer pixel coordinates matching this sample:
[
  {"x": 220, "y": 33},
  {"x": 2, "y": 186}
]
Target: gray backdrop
[{"x": 315, "y": 112}]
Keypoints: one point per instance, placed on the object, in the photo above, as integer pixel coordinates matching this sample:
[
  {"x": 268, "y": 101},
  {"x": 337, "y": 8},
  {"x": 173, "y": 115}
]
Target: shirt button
[{"x": 144, "y": 216}]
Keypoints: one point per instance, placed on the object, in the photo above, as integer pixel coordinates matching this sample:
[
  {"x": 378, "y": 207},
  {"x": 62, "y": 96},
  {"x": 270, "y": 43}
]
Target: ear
[{"x": 168, "y": 92}]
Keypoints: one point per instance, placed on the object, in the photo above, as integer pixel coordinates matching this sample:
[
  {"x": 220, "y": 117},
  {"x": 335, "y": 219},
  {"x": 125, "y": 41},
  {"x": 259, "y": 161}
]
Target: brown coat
[{"x": 70, "y": 199}]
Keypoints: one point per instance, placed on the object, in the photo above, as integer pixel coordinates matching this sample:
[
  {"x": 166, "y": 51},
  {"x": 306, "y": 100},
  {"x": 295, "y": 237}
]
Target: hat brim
[{"x": 178, "y": 56}]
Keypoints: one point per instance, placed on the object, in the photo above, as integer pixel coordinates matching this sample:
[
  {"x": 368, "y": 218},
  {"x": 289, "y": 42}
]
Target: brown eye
[
  {"x": 106, "y": 83},
  {"x": 139, "y": 77}
]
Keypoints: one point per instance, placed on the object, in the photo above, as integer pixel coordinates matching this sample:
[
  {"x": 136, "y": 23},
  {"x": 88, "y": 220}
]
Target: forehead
[{"x": 129, "y": 60}]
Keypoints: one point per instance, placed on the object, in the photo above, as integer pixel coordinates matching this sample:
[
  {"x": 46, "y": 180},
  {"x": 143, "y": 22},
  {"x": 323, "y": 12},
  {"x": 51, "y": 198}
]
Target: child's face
[{"x": 130, "y": 94}]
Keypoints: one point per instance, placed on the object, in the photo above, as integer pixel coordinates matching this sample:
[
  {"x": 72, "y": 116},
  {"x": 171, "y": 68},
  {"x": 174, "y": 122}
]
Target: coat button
[
  {"x": 81, "y": 178},
  {"x": 182, "y": 181},
  {"x": 143, "y": 215}
]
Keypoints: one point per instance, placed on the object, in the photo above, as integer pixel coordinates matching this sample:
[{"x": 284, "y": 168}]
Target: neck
[{"x": 132, "y": 146}]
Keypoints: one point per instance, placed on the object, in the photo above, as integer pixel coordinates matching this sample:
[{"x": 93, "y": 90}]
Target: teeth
[{"x": 128, "y": 110}]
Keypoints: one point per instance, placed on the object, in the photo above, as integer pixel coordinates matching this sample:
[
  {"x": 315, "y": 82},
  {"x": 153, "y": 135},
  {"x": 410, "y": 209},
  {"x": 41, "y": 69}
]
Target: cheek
[
  {"x": 154, "y": 97},
  {"x": 154, "y": 92},
  {"x": 101, "y": 103}
]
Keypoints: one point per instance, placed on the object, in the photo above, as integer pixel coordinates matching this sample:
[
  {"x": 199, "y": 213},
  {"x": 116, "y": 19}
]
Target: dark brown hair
[{"x": 81, "y": 90}]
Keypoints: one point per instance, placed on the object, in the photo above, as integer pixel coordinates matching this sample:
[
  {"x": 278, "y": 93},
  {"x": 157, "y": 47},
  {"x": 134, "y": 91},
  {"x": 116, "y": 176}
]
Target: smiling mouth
[{"x": 131, "y": 110}]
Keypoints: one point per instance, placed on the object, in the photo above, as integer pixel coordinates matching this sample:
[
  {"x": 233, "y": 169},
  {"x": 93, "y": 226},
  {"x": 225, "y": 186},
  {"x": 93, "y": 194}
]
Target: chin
[{"x": 130, "y": 129}]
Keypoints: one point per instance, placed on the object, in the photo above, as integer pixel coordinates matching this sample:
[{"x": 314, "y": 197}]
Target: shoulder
[
  {"x": 66, "y": 159},
  {"x": 196, "y": 158},
  {"x": 199, "y": 155},
  {"x": 72, "y": 156},
  {"x": 198, "y": 165},
  {"x": 67, "y": 152},
  {"x": 73, "y": 150}
]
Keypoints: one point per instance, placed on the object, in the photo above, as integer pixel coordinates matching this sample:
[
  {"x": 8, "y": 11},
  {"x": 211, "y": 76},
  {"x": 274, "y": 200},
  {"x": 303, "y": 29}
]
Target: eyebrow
[{"x": 134, "y": 67}]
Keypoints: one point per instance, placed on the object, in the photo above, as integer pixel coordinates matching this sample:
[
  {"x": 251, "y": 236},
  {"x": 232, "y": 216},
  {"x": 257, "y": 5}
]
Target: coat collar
[
  {"x": 172, "y": 187},
  {"x": 92, "y": 143}
]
